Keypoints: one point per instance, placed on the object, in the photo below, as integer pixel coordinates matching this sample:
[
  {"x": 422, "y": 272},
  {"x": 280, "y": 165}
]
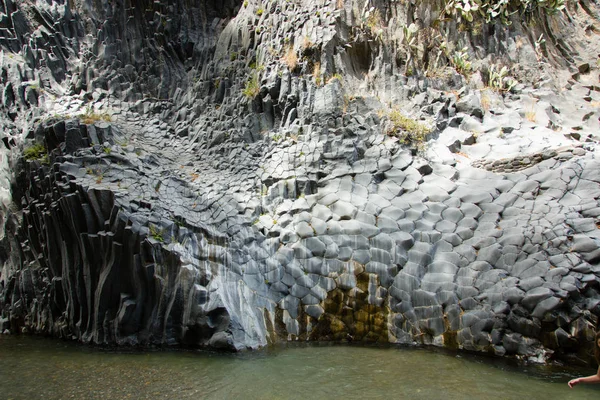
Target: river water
[{"x": 37, "y": 368}]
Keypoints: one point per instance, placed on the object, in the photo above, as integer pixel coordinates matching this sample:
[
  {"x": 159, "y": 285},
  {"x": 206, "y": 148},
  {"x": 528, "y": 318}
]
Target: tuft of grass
[
  {"x": 307, "y": 43},
  {"x": 485, "y": 102},
  {"x": 408, "y": 130},
  {"x": 290, "y": 58},
  {"x": 335, "y": 77},
  {"x": 374, "y": 22},
  {"x": 97, "y": 172},
  {"x": 90, "y": 117},
  {"x": 317, "y": 73},
  {"x": 252, "y": 87},
  {"x": 257, "y": 67},
  {"x": 156, "y": 233},
  {"x": 530, "y": 115},
  {"x": 36, "y": 152}
]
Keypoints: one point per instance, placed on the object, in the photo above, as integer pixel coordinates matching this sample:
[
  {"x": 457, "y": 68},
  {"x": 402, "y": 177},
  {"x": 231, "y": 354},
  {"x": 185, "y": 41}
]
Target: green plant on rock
[
  {"x": 408, "y": 130},
  {"x": 256, "y": 67},
  {"x": 156, "y": 233},
  {"x": 36, "y": 152},
  {"x": 334, "y": 77},
  {"x": 317, "y": 73},
  {"x": 463, "y": 9},
  {"x": 90, "y": 116},
  {"x": 461, "y": 62},
  {"x": 260, "y": 12},
  {"x": 498, "y": 79},
  {"x": 373, "y": 22},
  {"x": 410, "y": 42},
  {"x": 498, "y": 10},
  {"x": 252, "y": 87}
]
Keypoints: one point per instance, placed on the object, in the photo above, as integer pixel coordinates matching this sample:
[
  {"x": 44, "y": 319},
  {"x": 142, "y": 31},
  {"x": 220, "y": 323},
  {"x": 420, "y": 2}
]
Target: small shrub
[
  {"x": 317, "y": 73},
  {"x": 252, "y": 87},
  {"x": 498, "y": 10},
  {"x": 290, "y": 58},
  {"x": 245, "y": 3},
  {"x": 256, "y": 67},
  {"x": 156, "y": 233},
  {"x": 408, "y": 130},
  {"x": 260, "y": 12},
  {"x": 373, "y": 20},
  {"x": 36, "y": 152},
  {"x": 233, "y": 56},
  {"x": 461, "y": 62},
  {"x": 498, "y": 79},
  {"x": 90, "y": 117}
]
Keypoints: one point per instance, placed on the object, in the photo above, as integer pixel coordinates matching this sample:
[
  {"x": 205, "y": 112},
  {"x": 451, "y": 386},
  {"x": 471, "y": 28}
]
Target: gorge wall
[{"x": 233, "y": 174}]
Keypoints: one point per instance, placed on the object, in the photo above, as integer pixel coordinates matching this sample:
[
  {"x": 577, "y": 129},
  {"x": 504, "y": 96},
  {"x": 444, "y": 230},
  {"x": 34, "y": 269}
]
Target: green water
[{"x": 35, "y": 368}]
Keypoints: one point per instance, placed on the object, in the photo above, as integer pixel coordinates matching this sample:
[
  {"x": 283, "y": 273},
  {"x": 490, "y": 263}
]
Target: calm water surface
[{"x": 36, "y": 368}]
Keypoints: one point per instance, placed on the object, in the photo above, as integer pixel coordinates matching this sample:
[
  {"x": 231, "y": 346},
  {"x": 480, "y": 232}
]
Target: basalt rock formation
[{"x": 228, "y": 174}]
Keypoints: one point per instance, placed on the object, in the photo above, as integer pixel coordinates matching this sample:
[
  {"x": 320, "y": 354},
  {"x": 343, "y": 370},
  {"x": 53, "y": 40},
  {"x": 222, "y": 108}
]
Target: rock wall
[{"x": 230, "y": 175}]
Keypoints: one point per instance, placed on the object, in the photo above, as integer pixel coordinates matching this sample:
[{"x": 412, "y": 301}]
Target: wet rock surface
[{"x": 200, "y": 187}]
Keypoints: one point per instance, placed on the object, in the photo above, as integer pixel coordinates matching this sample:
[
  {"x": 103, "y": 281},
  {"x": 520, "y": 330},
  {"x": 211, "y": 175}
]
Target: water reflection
[{"x": 35, "y": 368}]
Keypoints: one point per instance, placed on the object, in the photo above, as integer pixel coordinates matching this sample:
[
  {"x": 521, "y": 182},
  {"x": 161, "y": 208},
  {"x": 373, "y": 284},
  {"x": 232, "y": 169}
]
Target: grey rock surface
[{"x": 210, "y": 185}]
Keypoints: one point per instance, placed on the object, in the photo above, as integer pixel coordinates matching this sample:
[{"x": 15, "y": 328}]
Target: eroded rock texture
[{"x": 224, "y": 174}]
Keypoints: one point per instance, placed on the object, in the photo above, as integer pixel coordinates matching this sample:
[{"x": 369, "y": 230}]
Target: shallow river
[{"x": 36, "y": 368}]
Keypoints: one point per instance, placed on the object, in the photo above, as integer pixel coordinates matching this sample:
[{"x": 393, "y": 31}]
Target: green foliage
[
  {"x": 498, "y": 79},
  {"x": 260, "y": 12},
  {"x": 373, "y": 20},
  {"x": 337, "y": 77},
  {"x": 408, "y": 130},
  {"x": 498, "y": 10},
  {"x": 461, "y": 62},
  {"x": 156, "y": 233},
  {"x": 252, "y": 87},
  {"x": 257, "y": 67},
  {"x": 106, "y": 150},
  {"x": 36, "y": 152},
  {"x": 90, "y": 117},
  {"x": 233, "y": 56},
  {"x": 245, "y": 3}
]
